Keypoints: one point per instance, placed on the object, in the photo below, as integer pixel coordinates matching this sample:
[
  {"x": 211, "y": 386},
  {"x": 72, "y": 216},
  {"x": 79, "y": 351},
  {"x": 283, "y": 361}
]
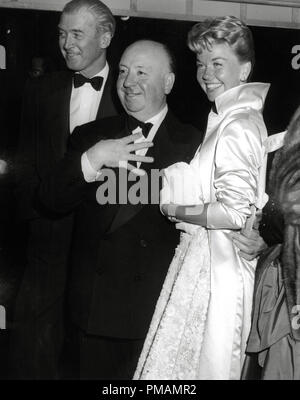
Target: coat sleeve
[
  {"x": 27, "y": 178},
  {"x": 238, "y": 158},
  {"x": 64, "y": 188}
]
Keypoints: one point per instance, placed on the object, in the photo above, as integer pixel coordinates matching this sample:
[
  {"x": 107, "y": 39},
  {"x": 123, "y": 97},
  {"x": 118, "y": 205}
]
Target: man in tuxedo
[
  {"x": 53, "y": 106},
  {"x": 120, "y": 252}
]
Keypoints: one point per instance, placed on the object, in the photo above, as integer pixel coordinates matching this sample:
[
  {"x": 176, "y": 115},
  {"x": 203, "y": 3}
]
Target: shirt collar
[
  {"x": 159, "y": 117},
  {"x": 156, "y": 120},
  {"x": 104, "y": 72}
]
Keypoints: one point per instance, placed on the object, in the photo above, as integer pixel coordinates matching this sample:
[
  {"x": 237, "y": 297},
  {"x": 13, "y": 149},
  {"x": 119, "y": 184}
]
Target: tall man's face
[
  {"x": 144, "y": 79},
  {"x": 82, "y": 46}
]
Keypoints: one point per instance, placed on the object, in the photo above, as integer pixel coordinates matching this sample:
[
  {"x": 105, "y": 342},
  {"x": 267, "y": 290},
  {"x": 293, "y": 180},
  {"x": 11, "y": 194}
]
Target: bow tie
[
  {"x": 80, "y": 80},
  {"x": 133, "y": 123}
]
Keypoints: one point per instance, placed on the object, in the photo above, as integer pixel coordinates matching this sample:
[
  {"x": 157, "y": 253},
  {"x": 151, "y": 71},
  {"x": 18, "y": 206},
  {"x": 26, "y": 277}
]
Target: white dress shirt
[
  {"x": 85, "y": 101},
  {"x": 91, "y": 175}
]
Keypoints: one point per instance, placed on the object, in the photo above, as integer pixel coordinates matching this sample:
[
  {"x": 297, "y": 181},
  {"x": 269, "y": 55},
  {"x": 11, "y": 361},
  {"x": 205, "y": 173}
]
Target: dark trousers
[
  {"x": 36, "y": 345},
  {"x": 102, "y": 358}
]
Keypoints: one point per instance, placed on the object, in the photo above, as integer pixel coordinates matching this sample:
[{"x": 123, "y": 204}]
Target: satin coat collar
[{"x": 250, "y": 95}]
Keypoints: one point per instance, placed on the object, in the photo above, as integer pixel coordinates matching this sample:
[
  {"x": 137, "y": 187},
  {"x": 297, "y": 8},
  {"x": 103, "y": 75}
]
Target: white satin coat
[{"x": 231, "y": 165}]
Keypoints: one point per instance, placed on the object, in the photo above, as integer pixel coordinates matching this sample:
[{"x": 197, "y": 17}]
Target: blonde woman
[{"x": 202, "y": 319}]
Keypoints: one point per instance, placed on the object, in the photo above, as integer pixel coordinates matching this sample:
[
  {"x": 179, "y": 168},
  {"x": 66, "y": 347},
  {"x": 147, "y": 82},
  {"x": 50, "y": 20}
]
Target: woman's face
[{"x": 219, "y": 69}]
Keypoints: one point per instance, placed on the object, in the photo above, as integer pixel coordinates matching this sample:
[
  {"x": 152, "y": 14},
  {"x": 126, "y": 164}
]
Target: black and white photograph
[{"x": 149, "y": 193}]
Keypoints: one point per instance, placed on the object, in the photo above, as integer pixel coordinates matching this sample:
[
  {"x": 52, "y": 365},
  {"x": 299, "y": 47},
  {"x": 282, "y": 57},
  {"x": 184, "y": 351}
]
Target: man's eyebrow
[
  {"x": 75, "y": 30},
  {"x": 219, "y": 57},
  {"x": 135, "y": 66}
]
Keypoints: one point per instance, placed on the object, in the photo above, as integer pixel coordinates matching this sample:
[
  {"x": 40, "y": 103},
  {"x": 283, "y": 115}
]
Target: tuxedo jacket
[
  {"x": 43, "y": 141},
  {"x": 120, "y": 252}
]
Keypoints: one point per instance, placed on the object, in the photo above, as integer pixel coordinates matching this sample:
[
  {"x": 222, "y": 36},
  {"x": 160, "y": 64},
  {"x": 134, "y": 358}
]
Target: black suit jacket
[
  {"x": 43, "y": 142},
  {"x": 120, "y": 253}
]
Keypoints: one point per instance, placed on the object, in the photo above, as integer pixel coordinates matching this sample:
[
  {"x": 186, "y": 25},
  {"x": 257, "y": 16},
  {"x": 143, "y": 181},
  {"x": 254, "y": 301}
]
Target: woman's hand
[
  {"x": 169, "y": 210},
  {"x": 192, "y": 214}
]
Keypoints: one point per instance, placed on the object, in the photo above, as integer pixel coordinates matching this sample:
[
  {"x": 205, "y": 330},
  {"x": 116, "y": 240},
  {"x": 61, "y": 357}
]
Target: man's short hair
[{"x": 103, "y": 15}]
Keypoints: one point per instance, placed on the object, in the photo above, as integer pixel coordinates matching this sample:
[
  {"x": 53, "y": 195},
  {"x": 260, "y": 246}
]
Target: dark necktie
[
  {"x": 133, "y": 123},
  {"x": 80, "y": 80}
]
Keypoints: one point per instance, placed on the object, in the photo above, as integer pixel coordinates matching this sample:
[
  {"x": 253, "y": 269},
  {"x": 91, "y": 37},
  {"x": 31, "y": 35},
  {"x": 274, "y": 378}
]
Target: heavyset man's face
[{"x": 144, "y": 80}]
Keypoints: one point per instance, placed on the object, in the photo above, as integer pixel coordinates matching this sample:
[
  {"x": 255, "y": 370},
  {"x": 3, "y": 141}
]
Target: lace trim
[{"x": 173, "y": 344}]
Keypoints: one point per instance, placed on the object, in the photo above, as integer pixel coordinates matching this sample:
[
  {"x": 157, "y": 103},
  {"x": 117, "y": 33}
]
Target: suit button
[
  {"x": 137, "y": 278},
  {"x": 143, "y": 243}
]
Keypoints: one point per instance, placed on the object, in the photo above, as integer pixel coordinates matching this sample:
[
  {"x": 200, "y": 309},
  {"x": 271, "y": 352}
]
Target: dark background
[
  {"x": 26, "y": 34},
  {"x": 34, "y": 33}
]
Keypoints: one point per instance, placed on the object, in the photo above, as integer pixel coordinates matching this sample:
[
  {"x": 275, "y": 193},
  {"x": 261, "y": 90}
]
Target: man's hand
[
  {"x": 116, "y": 152},
  {"x": 251, "y": 244}
]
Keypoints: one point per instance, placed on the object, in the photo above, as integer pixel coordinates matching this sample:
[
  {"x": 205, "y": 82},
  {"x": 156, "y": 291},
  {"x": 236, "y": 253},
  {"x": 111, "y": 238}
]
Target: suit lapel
[
  {"x": 109, "y": 105},
  {"x": 59, "y": 103}
]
